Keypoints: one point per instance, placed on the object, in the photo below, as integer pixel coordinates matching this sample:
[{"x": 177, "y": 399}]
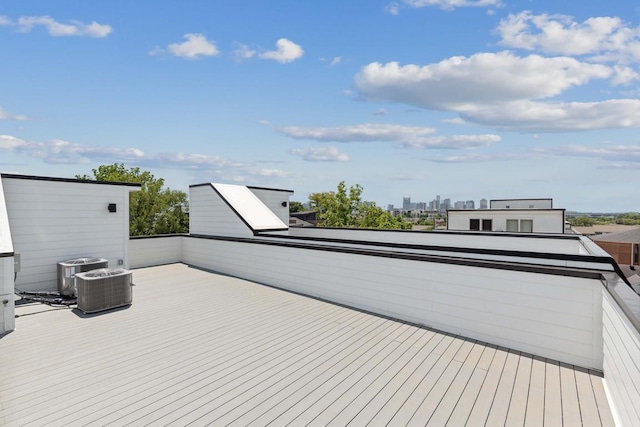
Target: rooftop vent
[
  {"x": 103, "y": 289},
  {"x": 68, "y": 269}
]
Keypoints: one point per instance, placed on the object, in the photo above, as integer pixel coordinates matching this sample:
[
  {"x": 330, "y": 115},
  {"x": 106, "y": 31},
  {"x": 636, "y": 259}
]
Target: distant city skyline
[{"x": 477, "y": 97}]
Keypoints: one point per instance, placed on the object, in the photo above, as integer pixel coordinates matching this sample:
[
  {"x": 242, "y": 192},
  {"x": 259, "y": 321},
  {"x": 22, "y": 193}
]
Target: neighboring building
[
  {"x": 303, "y": 219},
  {"x": 459, "y": 205},
  {"x": 469, "y": 204},
  {"x": 406, "y": 203},
  {"x": 510, "y": 216},
  {"x": 483, "y": 204},
  {"x": 623, "y": 246},
  {"x": 521, "y": 204}
]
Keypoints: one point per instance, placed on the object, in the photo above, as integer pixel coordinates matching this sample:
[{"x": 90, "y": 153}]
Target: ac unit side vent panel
[
  {"x": 103, "y": 289},
  {"x": 67, "y": 271}
]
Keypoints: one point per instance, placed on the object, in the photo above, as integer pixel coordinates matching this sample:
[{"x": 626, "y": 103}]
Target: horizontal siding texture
[
  {"x": 155, "y": 251},
  {"x": 54, "y": 221},
  {"x": 527, "y": 242},
  {"x": 7, "y": 311},
  {"x": 210, "y": 215},
  {"x": 621, "y": 362},
  {"x": 274, "y": 199},
  {"x": 552, "y": 316}
]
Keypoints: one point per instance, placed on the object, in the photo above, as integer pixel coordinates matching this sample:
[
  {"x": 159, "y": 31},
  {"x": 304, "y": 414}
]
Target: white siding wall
[
  {"x": 515, "y": 243},
  {"x": 544, "y": 221},
  {"x": 210, "y": 215},
  {"x": 7, "y": 311},
  {"x": 273, "y": 200},
  {"x": 54, "y": 221},
  {"x": 551, "y": 316},
  {"x": 146, "y": 252},
  {"x": 621, "y": 361}
]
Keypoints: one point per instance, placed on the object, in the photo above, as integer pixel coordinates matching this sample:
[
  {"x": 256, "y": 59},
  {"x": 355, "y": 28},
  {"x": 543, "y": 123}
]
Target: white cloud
[
  {"x": 335, "y": 61},
  {"x": 270, "y": 173},
  {"x": 58, "y": 29},
  {"x": 195, "y": 46},
  {"x": 367, "y": 132},
  {"x": 480, "y": 157},
  {"x": 243, "y": 52},
  {"x": 558, "y": 116},
  {"x": 58, "y": 151},
  {"x": 5, "y": 115},
  {"x": 452, "y": 4},
  {"x": 393, "y": 8},
  {"x": 405, "y": 136},
  {"x": 505, "y": 91},
  {"x": 454, "y": 141},
  {"x": 624, "y": 75},
  {"x": 263, "y": 122},
  {"x": 322, "y": 154},
  {"x": 380, "y": 112},
  {"x": 604, "y": 38},
  {"x": 620, "y": 154},
  {"x": 286, "y": 51},
  {"x": 461, "y": 83},
  {"x": 4, "y": 20},
  {"x": 11, "y": 143}
]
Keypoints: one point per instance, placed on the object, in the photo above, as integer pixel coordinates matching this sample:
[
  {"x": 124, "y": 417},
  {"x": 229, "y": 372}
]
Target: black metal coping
[
  {"x": 6, "y": 254},
  {"x": 461, "y": 233},
  {"x": 507, "y": 210},
  {"x": 482, "y": 251},
  {"x": 74, "y": 180},
  {"x": 252, "y": 187},
  {"x": 500, "y": 265}
]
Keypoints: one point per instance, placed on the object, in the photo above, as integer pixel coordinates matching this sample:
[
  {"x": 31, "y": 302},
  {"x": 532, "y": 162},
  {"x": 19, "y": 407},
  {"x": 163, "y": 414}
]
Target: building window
[
  {"x": 487, "y": 225},
  {"x": 474, "y": 224},
  {"x": 526, "y": 226},
  {"x": 512, "y": 225}
]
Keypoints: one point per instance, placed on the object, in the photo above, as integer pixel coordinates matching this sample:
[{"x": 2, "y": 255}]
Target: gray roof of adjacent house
[{"x": 628, "y": 236}]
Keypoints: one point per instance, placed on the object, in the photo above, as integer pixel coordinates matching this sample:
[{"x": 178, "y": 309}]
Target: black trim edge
[
  {"x": 556, "y": 271},
  {"x": 252, "y": 187},
  {"x": 7, "y": 254},
  {"x": 80, "y": 181},
  {"x": 158, "y": 236}
]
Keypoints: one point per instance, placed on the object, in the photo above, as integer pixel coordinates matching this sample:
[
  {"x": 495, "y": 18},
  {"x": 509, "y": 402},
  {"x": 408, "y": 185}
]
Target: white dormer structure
[{"x": 510, "y": 215}]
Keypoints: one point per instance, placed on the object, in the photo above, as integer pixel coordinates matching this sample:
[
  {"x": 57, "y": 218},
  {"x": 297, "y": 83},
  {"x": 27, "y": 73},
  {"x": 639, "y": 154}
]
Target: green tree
[
  {"x": 582, "y": 221},
  {"x": 348, "y": 210},
  {"x": 152, "y": 210},
  {"x": 295, "y": 206}
]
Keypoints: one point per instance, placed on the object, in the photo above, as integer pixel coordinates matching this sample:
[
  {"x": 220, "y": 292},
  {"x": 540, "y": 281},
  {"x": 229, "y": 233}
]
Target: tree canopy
[
  {"x": 348, "y": 210},
  {"x": 153, "y": 209},
  {"x": 295, "y": 206}
]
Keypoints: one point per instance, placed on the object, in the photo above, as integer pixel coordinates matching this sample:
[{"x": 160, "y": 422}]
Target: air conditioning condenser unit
[
  {"x": 67, "y": 272},
  {"x": 102, "y": 289}
]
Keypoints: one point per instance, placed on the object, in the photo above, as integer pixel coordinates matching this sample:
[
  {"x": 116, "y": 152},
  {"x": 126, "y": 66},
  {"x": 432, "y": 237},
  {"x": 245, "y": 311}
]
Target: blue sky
[{"x": 468, "y": 99}]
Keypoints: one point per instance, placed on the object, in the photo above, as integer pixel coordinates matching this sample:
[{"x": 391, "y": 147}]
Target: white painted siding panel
[
  {"x": 551, "y": 316},
  {"x": 7, "y": 311},
  {"x": 544, "y": 221},
  {"x": 621, "y": 361},
  {"x": 273, "y": 199},
  {"x": 210, "y": 215},
  {"x": 155, "y": 251},
  {"x": 54, "y": 221},
  {"x": 477, "y": 240}
]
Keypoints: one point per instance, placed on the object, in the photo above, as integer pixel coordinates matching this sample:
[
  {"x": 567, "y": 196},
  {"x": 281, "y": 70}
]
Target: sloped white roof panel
[{"x": 249, "y": 207}]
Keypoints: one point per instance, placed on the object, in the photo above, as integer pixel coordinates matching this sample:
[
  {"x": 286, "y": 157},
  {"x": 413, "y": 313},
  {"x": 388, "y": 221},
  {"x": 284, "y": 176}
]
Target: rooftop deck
[{"x": 200, "y": 348}]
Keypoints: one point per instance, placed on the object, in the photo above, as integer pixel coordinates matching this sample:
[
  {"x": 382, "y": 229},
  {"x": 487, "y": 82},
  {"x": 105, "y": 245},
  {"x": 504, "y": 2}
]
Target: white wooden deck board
[{"x": 211, "y": 349}]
